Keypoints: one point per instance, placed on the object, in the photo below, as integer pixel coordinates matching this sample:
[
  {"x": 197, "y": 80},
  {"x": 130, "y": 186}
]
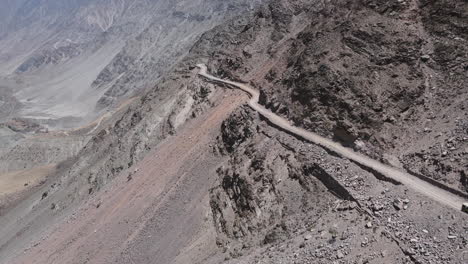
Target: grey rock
[
  {"x": 425, "y": 57},
  {"x": 377, "y": 207},
  {"x": 339, "y": 254},
  {"x": 398, "y": 204}
]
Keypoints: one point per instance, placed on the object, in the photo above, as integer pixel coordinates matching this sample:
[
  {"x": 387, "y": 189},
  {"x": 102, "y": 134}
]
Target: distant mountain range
[{"x": 67, "y": 61}]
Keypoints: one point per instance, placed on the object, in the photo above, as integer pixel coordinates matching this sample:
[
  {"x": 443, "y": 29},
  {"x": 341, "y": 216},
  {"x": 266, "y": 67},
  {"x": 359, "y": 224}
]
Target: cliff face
[{"x": 384, "y": 77}]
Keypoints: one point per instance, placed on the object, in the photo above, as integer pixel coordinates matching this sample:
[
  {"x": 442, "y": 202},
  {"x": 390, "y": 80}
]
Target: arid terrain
[
  {"x": 65, "y": 62},
  {"x": 318, "y": 131},
  {"x": 375, "y": 75}
]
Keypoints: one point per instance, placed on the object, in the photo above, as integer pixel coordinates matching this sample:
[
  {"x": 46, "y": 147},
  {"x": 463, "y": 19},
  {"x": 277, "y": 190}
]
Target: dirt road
[{"x": 423, "y": 187}]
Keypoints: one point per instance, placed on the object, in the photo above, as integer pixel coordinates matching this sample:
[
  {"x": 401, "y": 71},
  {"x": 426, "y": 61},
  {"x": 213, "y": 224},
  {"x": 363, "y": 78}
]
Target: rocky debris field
[{"x": 283, "y": 200}]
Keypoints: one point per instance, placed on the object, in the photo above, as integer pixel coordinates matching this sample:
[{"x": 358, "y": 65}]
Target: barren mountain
[
  {"x": 185, "y": 171},
  {"x": 385, "y": 77},
  {"x": 70, "y": 65},
  {"x": 63, "y": 57}
]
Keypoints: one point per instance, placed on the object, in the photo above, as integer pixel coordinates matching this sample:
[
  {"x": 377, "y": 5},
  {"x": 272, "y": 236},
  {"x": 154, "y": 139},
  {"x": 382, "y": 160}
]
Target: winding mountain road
[
  {"x": 418, "y": 185},
  {"x": 99, "y": 121}
]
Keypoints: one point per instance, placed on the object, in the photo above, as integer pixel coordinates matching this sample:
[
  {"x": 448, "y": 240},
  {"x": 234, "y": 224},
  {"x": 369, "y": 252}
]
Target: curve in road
[
  {"x": 106, "y": 115},
  {"x": 423, "y": 187}
]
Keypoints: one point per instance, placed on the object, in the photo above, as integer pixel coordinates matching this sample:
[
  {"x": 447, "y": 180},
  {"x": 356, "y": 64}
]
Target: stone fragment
[
  {"x": 425, "y": 57},
  {"x": 398, "y": 204}
]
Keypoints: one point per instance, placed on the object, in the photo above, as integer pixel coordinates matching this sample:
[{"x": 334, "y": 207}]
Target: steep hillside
[
  {"x": 66, "y": 67},
  {"x": 113, "y": 150},
  {"x": 58, "y": 59},
  {"x": 385, "y": 77},
  {"x": 185, "y": 173}
]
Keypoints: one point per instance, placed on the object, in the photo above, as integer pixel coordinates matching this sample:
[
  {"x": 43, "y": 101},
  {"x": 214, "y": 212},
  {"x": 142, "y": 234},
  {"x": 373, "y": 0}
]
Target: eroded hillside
[
  {"x": 385, "y": 77},
  {"x": 188, "y": 173},
  {"x": 67, "y": 67}
]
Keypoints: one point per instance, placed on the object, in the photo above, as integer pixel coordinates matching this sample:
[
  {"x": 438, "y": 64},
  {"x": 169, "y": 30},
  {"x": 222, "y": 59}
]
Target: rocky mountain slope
[
  {"x": 280, "y": 200},
  {"x": 385, "y": 77},
  {"x": 183, "y": 174}
]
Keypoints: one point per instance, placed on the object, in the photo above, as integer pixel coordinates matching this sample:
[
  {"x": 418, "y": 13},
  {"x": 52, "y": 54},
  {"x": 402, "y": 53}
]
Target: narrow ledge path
[{"x": 435, "y": 193}]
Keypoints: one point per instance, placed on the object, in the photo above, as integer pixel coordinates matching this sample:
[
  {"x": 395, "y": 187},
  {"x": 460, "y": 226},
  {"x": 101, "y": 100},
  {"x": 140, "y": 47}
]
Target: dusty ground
[
  {"x": 15, "y": 185},
  {"x": 29, "y": 156}
]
